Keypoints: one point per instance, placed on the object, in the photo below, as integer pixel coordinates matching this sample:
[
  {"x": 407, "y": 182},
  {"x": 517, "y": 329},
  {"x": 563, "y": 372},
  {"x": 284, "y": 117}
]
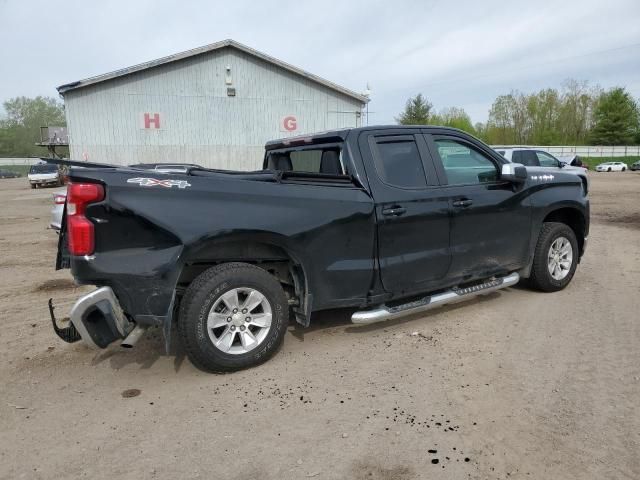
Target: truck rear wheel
[
  {"x": 233, "y": 316},
  {"x": 555, "y": 259}
]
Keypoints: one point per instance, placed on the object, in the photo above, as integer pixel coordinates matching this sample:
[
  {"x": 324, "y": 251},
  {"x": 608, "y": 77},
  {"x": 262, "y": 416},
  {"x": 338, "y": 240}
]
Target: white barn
[{"x": 215, "y": 106}]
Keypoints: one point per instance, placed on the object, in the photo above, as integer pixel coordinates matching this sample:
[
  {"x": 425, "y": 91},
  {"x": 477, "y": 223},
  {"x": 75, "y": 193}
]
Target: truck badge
[
  {"x": 542, "y": 178},
  {"x": 152, "y": 182}
]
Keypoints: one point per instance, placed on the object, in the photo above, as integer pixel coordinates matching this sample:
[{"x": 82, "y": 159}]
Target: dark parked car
[
  {"x": 635, "y": 166},
  {"x": 8, "y": 173},
  {"x": 387, "y": 220}
]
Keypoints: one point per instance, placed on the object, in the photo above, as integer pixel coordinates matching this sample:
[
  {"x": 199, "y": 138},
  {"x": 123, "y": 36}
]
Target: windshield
[{"x": 43, "y": 168}]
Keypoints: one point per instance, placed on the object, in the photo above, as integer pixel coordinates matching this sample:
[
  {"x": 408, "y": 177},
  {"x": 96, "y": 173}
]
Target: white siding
[{"x": 199, "y": 122}]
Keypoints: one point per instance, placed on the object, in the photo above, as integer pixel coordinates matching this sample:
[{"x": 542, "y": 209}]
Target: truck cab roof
[{"x": 339, "y": 135}]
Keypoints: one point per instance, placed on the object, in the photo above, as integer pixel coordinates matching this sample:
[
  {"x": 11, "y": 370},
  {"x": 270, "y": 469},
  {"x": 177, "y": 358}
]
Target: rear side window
[
  {"x": 312, "y": 160},
  {"x": 306, "y": 160},
  {"x": 527, "y": 158},
  {"x": 463, "y": 164},
  {"x": 398, "y": 162}
]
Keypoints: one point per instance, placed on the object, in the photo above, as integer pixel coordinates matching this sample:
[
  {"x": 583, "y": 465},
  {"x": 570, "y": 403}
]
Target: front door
[
  {"x": 412, "y": 215},
  {"x": 490, "y": 218}
]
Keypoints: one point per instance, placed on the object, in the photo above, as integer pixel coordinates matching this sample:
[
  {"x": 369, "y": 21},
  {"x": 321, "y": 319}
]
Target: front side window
[
  {"x": 546, "y": 160},
  {"x": 465, "y": 165},
  {"x": 398, "y": 162}
]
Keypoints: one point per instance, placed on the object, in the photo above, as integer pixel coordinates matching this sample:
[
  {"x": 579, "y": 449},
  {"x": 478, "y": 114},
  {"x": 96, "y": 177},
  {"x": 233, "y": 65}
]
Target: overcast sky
[{"x": 457, "y": 53}]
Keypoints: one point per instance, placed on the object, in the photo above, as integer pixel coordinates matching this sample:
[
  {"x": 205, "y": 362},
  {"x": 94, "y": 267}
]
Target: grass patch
[
  {"x": 21, "y": 169},
  {"x": 593, "y": 161}
]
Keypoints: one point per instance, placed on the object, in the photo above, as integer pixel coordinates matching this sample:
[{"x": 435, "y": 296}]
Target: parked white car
[
  {"x": 44, "y": 174},
  {"x": 612, "y": 167},
  {"x": 531, "y": 157}
]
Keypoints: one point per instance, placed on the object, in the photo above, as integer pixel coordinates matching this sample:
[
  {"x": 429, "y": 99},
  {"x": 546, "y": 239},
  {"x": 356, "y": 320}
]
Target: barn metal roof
[{"x": 62, "y": 89}]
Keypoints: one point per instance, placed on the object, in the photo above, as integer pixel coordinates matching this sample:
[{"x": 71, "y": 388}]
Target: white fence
[
  {"x": 18, "y": 161},
  {"x": 557, "y": 150},
  {"x": 583, "y": 151}
]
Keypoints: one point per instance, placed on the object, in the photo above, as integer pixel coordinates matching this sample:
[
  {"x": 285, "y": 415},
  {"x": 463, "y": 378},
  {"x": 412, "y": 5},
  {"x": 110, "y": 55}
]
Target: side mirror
[{"x": 514, "y": 172}]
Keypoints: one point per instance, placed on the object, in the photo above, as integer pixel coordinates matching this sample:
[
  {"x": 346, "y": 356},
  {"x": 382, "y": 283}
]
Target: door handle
[
  {"x": 463, "y": 203},
  {"x": 394, "y": 211}
]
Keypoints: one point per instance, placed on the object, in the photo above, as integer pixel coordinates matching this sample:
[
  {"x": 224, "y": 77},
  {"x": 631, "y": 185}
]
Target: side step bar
[{"x": 450, "y": 296}]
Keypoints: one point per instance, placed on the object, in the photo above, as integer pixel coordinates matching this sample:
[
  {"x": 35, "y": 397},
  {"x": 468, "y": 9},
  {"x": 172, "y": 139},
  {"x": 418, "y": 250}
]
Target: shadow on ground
[{"x": 151, "y": 346}]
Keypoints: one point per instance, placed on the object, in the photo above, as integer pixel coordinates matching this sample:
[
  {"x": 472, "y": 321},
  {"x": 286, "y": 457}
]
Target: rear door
[
  {"x": 490, "y": 223},
  {"x": 412, "y": 215}
]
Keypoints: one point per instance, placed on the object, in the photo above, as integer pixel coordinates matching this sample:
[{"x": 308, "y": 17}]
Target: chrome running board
[{"x": 450, "y": 296}]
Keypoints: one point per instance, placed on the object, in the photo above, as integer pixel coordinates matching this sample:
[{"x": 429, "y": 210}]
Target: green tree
[
  {"x": 546, "y": 117},
  {"x": 616, "y": 119},
  {"x": 501, "y": 128},
  {"x": 575, "y": 118},
  {"x": 543, "y": 110},
  {"x": 417, "y": 111},
  {"x": 454, "y": 117},
  {"x": 572, "y": 115},
  {"x": 20, "y": 130}
]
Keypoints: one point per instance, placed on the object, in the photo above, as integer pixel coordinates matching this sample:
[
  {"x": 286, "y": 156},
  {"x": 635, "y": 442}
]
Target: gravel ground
[{"x": 516, "y": 384}]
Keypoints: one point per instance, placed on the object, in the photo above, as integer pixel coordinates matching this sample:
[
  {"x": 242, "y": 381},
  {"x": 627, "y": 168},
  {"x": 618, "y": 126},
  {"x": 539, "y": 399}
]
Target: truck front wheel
[
  {"x": 233, "y": 316},
  {"x": 555, "y": 259}
]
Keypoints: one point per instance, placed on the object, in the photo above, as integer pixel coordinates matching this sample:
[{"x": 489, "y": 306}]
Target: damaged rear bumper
[{"x": 97, "y": 318}]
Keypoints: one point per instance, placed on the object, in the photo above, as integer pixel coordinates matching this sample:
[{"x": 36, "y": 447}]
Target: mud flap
[
  {"x": 68, "y": 334},
  {"x": 62, "y": 257},
  {"x": 166, "y": 326}
]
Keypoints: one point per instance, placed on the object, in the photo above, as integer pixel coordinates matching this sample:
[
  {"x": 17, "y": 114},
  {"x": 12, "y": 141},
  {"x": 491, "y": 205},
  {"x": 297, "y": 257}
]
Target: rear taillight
[
  {"x": 80, "y": 231},
  {"x": 59, "y": 199}
]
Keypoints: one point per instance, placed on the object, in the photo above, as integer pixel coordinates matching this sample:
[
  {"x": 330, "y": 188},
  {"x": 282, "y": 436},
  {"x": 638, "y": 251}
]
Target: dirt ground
[{"x": 516, "y": 384}]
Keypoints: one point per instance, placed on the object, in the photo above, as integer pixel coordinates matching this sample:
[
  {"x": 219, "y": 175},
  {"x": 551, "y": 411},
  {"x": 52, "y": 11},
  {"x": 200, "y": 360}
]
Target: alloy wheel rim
[
  {"x": 239, "y": 320},
  {"x": 560, "y": 258}
]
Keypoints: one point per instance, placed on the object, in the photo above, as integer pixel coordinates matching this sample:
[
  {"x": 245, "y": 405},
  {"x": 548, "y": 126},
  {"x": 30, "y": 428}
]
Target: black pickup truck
[{"x": 388, "y": 221}]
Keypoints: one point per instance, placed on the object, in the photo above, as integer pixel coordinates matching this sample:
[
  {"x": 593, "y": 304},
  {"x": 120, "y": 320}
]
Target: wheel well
[
  {"x": 275, "y": 260},
  {"x": 574, "y": 219}
]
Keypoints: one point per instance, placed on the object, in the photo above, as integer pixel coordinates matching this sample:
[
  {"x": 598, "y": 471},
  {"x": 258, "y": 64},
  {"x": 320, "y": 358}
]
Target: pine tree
[
  {"x": 417, "y": 111},
  {"x": 616, "y": 118}
]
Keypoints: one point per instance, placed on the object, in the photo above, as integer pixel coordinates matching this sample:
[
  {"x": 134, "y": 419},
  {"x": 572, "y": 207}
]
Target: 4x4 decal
[{"x": 152, "y": 182}]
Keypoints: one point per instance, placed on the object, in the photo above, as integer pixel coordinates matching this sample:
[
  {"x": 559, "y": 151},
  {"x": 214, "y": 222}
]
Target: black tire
[
  {"x": 33, "y": 185},
  {"x": 609, "y": 169},
  {"x": 541, "y": 278},
  {"x": 623, "y": 169},
  {"x": 201, "y": 296}
]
